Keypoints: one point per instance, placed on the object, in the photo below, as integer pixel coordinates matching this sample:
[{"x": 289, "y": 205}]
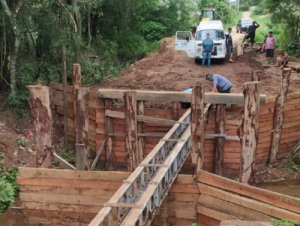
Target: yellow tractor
[{"x": 208, "y": 13}]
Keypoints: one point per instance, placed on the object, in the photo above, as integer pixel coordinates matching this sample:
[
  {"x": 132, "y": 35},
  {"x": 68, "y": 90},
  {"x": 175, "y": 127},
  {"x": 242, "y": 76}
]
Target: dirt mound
[{"x": 167, "y": 69}]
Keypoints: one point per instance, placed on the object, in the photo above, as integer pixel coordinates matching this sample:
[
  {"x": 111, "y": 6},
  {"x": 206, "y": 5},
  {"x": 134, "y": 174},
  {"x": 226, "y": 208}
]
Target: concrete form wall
[
  {"x": 232, "y": 150},
  {"x": 73, "y": 198}
]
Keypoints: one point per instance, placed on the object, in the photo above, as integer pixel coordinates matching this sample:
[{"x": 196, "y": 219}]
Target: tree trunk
[
  {"x": 41, "y": 112},
  {"x": 81, "y": 103},
  {"x": 131, "y": 130},
  {"x": 77, "y": 17},
  {"x": 250, "y": 131},
  {"x": 12, "y": 14},
  {"x": 279, "y": 107},
  {"x": 197, "y": 128}
]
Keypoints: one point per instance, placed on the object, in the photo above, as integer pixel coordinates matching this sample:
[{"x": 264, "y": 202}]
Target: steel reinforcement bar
[{"x": 170, "y": 153}]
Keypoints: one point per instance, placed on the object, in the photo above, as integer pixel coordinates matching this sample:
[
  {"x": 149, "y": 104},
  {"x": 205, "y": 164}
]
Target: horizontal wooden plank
[
  {"x": 213, "y": 213},
  {"x": 230, "y": 208},
  {"x": 54, "y": 190},
  {"x": 63, "y": 199},
  {"x": 60, "y": 87},
  {"x": 169, "y": 96},
  {"x": 261, "y": 207},
  {"x": 74, "y": 208},
  {"x": 27, "y": 172},
  {"x": 207, "y": 220},
  {"x": 285, "y": 202},
  {"x": 160, "y": 221}
]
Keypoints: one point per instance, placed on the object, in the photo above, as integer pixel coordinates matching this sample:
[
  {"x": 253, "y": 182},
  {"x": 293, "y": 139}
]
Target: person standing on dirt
[
  {"x": 207, "y": 50},
  {"x": 251, "y": 33},
  {"x": 270, "y": 46},
  {"x": 221, "y": 84},
  {"x": 229, "y": 45}
]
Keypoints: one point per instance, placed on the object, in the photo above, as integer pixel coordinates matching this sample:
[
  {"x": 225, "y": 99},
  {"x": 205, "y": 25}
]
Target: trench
[{"x": 13, "y": 217}]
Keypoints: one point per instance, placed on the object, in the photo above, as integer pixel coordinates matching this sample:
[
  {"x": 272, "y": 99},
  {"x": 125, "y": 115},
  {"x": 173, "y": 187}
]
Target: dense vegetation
[
  {"x": 105, "y": 36},
  {"x": 8, "y": 187}
]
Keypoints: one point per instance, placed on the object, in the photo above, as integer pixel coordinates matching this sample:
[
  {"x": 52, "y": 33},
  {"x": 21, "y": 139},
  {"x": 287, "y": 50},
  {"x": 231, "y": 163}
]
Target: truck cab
[{"x": 192, "y": 45}]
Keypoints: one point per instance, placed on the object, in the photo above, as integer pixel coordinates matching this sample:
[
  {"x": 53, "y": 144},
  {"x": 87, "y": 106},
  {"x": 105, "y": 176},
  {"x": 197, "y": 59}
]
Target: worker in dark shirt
[
  {"x": 229, "y": 45},
  {"x": 251, "y": 33}
]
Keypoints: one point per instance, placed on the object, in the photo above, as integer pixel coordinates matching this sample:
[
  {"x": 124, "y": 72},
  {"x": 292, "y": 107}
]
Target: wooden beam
[
  {"x": 63, "y": 163},
  {"x": 98, "y": 155},
  {"x": 219, "y": 141},
  {"x": 65, "y": 83},
  {"x": 79, "y": 155},
  {"x": 197, "y": 128},
  {"x": 76, "y": 79},
  {"x": 273, "y": 198},
  {"x": 81, "y": 103},
  {"x": 279, "y": 107},
  {"x": 170, "y": 96},
  {"x": 140, "y": 129},
  {"x": 249, "y": 132},
  {"x": 109, "y": 128},
  {"x": 39, "y": 101},
  {"x": 131, "y": 131},
  {"x": 176, "y": 111},
  {"x": 141, "y": 118}
]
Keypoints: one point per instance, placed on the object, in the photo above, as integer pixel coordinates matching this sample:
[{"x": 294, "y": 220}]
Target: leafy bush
[
  {"x": 8, "y": 187},
  {"x": 282, "y": 222},
  {"x": 293, "y": 48},
  {"x": 244, "y": 7},
  {"x": 153, "y": 31}
]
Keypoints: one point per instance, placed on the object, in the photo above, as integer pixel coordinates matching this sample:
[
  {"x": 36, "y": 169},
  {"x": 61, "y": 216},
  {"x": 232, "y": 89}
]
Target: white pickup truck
[{"x": 192, "y": 45}]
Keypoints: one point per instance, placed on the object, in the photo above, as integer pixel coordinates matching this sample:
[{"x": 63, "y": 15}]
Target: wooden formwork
[
  {"x": 73, "y": 198},
  {"x": 232, "y": 148}
]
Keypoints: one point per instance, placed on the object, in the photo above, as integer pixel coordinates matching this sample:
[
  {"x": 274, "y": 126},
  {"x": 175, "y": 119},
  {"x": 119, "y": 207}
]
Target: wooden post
[
  {"x": 76, "y": 80},
  {"x": 256, "y": 75},
  {"x": 40, "y": 109},
  {"x": 197, "y": 128},
  {"x": 81, "y": 103},
  {"x": 140, "y": 129},
  {"x": 278, "y": 121},
  {"x": 130, "y": 130},
  {"x": 109, "y": 128},
  {"x": 249, "y": 131},
  {"x": 80, "y": 156},
  {"x": 219, "y": 141},
  {"x": 176, "y": 111},
  {"x": 64, "y": 79}
]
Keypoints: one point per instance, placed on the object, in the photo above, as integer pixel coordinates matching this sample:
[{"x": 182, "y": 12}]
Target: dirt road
[
  {"x": 239, "y": 36},
  {"x": 167, "y": 69}
]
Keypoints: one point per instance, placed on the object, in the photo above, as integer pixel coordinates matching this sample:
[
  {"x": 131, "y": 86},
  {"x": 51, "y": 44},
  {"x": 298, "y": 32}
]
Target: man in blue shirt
[
  {"x": 207, "y": 49},
  {"x": 223, "y": 85}
]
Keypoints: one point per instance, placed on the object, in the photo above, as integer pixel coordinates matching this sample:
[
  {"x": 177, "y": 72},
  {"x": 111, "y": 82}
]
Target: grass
[{"x": 266, "y": 26}]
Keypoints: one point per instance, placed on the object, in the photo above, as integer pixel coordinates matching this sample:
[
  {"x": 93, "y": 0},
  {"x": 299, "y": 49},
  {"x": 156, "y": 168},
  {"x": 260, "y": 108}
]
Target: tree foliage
[{"x": 102, "y": 35}]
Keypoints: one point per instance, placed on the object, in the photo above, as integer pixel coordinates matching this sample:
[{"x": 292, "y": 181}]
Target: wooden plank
[
  {"x": 140, "y": 130},
  {"x": 55, "y": 190},
  {"x": 230, "y": 208},
  {"x": 76, "y": 78},
  {"x": 261, "y": 207},
  {"x": 142, "y": 118},
  {"x": 213, "y": 213},
  {"x": 219, "y": 142},
  {"x": 62, "y": 207},
  {"x": 207, "y": 220},
  {"x": 63, "y": 199},
  {"x": 197, "y": 128},
  {"x": 169, "y": 96},
  {"x": 59, "y": 87},
  {"x": 249, "y": 132},
  {"x": 286, "y": 202},
  {"x": 27, "y": 172},
  {"x": 63, "y": 163},
  {"x": 286, "y": 73},
  {"x": 109, "y": 128},
  {"x": 98, "y": 155}
]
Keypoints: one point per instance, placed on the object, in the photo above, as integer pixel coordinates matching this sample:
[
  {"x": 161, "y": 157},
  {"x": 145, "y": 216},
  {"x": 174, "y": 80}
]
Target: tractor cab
[{"x": 207, "y": 14}]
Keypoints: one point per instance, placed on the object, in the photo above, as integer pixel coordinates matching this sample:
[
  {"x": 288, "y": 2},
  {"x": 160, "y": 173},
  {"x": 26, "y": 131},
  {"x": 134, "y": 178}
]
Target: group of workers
[{"x": 220, "y": 83}]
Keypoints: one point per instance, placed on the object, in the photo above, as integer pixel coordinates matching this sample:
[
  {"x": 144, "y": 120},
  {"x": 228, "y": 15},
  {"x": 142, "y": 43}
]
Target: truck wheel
[{"x": 197, "y": 61}]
